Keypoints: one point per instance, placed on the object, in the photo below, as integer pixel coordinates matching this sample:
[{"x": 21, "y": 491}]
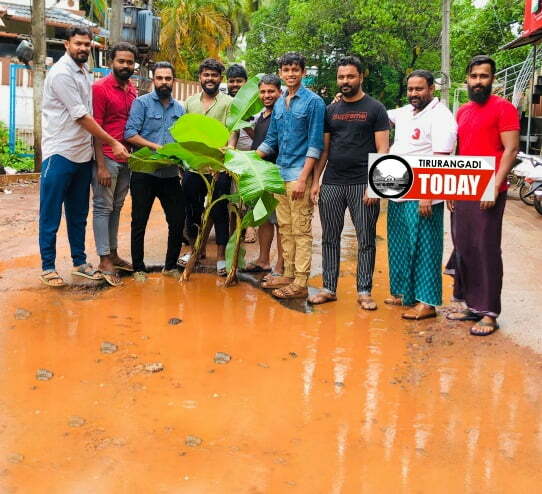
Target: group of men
[{"x": 322, "y": 154}]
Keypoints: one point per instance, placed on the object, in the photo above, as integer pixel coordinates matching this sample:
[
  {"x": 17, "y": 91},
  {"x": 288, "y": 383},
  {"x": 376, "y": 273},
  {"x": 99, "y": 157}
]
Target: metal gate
[{"x": 21, "y": 141}]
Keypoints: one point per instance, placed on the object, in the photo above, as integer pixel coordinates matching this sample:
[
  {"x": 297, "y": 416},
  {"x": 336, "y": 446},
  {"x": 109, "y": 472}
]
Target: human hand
[
  {"x": 338, "y": 97},
  {"x": 104, "y": 176},
  {"x": 369, "y": 201},
  {"x": 425, "y": 208},
  {"x": 315, "y": 193},
  {"x": 299, "y": 190},
  {"x": 451, "y": 206},
  {"x": 119, "y": 151}
]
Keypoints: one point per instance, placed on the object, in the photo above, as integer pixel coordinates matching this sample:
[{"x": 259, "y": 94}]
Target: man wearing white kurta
[{"x": 415, "y": 228}]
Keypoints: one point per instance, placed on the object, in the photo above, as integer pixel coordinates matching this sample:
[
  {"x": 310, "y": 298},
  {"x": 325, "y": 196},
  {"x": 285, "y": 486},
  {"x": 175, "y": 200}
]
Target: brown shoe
[
  {"x": 419, "y": 312},
  {"x": 291, "y": 291},
  {"x": 277, "y": 282}
]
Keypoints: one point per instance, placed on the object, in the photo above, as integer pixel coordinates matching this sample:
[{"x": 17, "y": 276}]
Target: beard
[
  {"x": 80, "y": 57},
  {"x": 419, "y": 103},
  {"x": 347, "y": 90},
  {"x": 163, "y": 92},
  {"x": 123, "y": 74},
  {"x": 210, "y": 89},
  {"x": 479, "y": 94}
]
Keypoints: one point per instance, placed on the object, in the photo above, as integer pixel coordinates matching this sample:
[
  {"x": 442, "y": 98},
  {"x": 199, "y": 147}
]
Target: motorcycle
[{"x": 523, "y": 168}]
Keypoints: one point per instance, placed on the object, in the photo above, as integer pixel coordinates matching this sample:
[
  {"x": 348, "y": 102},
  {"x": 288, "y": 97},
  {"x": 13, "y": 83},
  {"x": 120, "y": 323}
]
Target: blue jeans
[
  {"x": 107, "y": 203},
  {"x": 63, "y": 182}
]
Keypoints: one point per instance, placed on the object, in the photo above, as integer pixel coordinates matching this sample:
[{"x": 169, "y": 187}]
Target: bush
[{"x": 20, "y": 163}]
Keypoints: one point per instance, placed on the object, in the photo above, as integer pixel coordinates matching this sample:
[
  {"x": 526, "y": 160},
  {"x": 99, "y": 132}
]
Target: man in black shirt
[
  {"x": 355, "y": 126},
  {"x": 269, "y": 93}
]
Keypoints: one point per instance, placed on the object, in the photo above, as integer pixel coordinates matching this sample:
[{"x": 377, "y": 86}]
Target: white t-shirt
[{"x": 433, "y": 130}]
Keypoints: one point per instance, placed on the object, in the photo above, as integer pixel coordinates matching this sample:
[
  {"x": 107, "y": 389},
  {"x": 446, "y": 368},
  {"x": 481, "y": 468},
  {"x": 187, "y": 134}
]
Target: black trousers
[
  {"x": 195, "y": 192},
  {"x": 144, "y": 188}
]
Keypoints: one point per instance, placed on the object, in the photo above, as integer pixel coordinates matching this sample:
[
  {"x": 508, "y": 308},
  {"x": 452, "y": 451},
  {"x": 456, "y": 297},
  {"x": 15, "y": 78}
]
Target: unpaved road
[{"x": 130, "y": 390}]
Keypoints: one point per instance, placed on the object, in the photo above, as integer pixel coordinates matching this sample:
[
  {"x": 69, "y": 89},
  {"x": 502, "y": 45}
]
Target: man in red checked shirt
[
  {"x": 112, "y": 98},
  {"x": 487, "y": 126}
]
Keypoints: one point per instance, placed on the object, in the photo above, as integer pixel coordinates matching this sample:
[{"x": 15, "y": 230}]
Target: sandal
[
  {"x": 221, "y": 268},
  {"x": 87, "y": 271},
  {"x": 420, "y": 312},
  {"x": 271, "y": 275},
  {"x": 493, "y": 326},
  {"x": 183, "y": 260},
  {"x": 112, "y": 277},
  {"x": 53, "y": 279},
  {"x": 252, "y": 267},
  {"x": 366, "y": 302},
  {"x": 463, "y": 315},
  {"x": 123, "y": 266},
  {"x": 277, "y": 282},
  {"x": 291, "y": 291},
  {"x": 322, "y": 297},
  {"x": 393, "y": 300}
]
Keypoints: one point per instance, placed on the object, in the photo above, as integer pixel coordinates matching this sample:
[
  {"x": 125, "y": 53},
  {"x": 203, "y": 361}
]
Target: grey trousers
[
  {"x": 334, "y": 199},
  {"x": 107, "y": 203}
]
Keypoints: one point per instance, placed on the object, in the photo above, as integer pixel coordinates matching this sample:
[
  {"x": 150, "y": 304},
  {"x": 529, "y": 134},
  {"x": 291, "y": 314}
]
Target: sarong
[
  {"x": 478, "y": 261},
  {"x": 415, "y": 246}
]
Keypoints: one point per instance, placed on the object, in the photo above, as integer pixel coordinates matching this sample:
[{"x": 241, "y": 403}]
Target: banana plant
[{"x": 200, "y": 146}]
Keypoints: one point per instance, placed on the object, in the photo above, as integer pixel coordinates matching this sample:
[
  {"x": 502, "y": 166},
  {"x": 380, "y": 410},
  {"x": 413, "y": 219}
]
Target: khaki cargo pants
[{"x": 295, "y": 226}]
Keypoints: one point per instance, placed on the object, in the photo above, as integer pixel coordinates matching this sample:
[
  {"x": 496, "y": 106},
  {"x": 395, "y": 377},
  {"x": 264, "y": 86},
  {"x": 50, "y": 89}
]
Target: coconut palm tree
[{"x": 191, "y": 31}]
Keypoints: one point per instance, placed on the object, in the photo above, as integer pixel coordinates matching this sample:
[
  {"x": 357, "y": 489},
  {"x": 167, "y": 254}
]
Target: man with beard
[
  {"x": 415, "y": 228},
  {"x": 488, "y": 126},
  {"x": 214, "y": 104},
  {"x": 355, "y": 126},
  {"x": 296, "y": 135},
  {"x": 66, "y": 172},
  {"x": 269, "y": 87},
  {"x": 112, "y": 98},
  {"x": 150, "y": 118}
]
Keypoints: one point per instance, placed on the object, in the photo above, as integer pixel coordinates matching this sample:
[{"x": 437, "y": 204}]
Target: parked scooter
[
  {"x": 524, "y": 167},
  {"x": 533, "y": 177}
]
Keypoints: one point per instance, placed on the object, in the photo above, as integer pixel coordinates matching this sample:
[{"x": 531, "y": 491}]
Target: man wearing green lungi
[{"x": 415, "y": 228}]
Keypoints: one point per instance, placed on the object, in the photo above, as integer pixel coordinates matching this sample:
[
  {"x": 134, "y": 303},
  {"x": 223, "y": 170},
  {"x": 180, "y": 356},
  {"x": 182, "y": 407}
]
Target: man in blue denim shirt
[
  {"x": 151, "y": 116},
  {"x": 296, "y": 136}
]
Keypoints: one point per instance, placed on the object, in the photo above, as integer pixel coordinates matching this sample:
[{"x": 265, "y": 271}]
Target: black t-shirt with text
[{"x": 352, "y": 127}]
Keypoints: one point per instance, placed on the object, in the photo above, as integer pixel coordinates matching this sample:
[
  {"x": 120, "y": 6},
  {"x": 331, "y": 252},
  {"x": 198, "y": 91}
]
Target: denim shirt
[
  {"x": 295, "y": 133},
  {"x": 151, "y": 120}
]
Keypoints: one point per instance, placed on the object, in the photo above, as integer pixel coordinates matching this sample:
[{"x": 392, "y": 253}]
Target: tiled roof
[{"x": 52, "y": 15}]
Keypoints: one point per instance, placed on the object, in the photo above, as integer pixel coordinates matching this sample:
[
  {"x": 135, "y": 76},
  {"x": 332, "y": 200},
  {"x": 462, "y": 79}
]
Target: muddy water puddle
[{"x": 158, "y": 387}]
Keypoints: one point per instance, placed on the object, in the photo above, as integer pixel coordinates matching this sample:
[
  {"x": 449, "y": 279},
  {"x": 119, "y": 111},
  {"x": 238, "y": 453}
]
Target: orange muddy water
[{"x": 334, "y": 401}]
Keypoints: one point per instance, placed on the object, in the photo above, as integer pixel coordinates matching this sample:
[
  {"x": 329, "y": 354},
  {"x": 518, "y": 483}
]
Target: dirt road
[{"x": 158, "y": 387}]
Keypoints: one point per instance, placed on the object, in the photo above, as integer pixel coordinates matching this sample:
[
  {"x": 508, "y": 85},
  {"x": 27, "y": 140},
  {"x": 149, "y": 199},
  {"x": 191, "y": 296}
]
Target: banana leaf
[
  {"x": 259, "y": 214},
  {"x": 196, "y": 155},
  {"x": 194, "y": 127},
  {"x": 245, "y": 104},
  {"x": 230, "y": 250},
  {"x": 255, "y": 175},
  {"x": 147, "y": 161}
]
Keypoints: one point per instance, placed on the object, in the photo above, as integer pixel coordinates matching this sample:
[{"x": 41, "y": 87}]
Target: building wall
[{"x": 60, "y": 4}]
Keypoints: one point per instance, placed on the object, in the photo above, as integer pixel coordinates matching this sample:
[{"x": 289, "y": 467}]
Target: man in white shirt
[
  {"x": 66, "y": 172},
  {"x": 415, "y": 228}
]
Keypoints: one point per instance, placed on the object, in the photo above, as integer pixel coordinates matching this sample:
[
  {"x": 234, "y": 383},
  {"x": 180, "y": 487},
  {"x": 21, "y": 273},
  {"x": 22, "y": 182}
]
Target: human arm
[
  {"x": 382, "y": 144},
  {"x": 91, "y": 126},
  {"x": 319, "y": 168},
  {"x": 315, "y": 126}
]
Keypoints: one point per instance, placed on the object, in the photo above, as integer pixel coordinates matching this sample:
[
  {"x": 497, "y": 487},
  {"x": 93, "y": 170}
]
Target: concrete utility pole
[
  {"x": 115, "y": 24},
  {"x": 445, "y": 53},
  {"x": 40, "y": 52}
]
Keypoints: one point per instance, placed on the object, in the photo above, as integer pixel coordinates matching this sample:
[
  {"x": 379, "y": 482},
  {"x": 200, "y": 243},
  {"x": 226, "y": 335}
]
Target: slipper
[
  {"x": 322, "y": 297},
  {"x": 271, "y": 275},
  {"x": 112, "y": 277},
  {"x": 492, "y": 325},
  {"x": 464, "y": 315},
  {"x": 124, "y": 266},
  {"x": 366, "y": 302},
  {"x": 50, "y": 277},
  {"x": 252, "y": 267},
  {"x": 417, "y": 314},
  {"x": 221, "y": 268},
  {"x": 290, "y": 291},
  {"x": 277, "y": 282},
  {"x": 183, "y": 260},
  {"x": 87, "y": 271}
]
